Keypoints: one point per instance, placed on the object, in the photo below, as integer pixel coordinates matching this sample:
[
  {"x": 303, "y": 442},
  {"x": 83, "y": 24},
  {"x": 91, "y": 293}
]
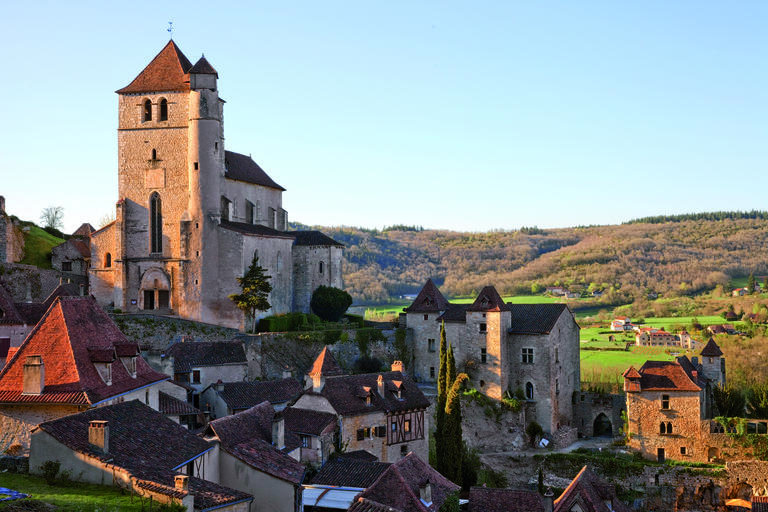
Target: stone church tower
[{"x": 191, "y": 215}]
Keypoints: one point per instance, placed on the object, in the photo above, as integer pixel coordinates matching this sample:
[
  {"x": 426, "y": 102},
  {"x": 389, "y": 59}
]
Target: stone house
[
  {"x": 503, "y": 347},
  {"x": 381, "y": 413},
  {"x": 253, "y": 458},
  {"x": 338, "y": 482},
  {"x": 225, "y": 398},
  {"x": 130, "y": 445},
  {"x": 657, "y": 338},
  {"x": 310, "y": 436},
  {"x": 74, "y": 359},
  {"x": 72, "y": 258},
  {"x": 408, "y": 485},
  {"x": 190, "y": 215}
]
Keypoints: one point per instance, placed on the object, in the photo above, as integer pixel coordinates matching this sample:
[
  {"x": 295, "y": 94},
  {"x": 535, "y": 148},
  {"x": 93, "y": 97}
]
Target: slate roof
[
  {"x": 187, "y": 355},
  {"x": 203, "y": 67},
  {"x": 589, "y": 492},
  {"x": 84, "y": 230},
  {"x": 486, "y": 499},
  {"x": 9, "y": 315},
  {"x": 398, "y": 486},
  {"x": 347, "y": 394},
  {"x": 248, "y": 436},
  {"x": 254, "y": 229},
  {"x": 242, "y": 168},
  {"x": 359, "y": 456},
  {"x": 666, "y": 376},
  {"x": 312, "y": 237},
  {"x": 536, "y": 318},
  {"x": 244, "y": 395},
  {"x": 711, "y": 349},
  {"x": 307, "y": 421},
  {"x": 488, "y": 300},
  {"x": 428, "y": 300},
  {"x": 172, "y": 406},
  {"x": 364, "y": 505},
  {"x": 148, "y": 445},
  {"x": 72, "y": 330},
  {"x": 168, "y": 71},
  {"x": 344, "y": 473},
  {"x": 454, "y": 313},
  {"x": 325, "y": 364}
]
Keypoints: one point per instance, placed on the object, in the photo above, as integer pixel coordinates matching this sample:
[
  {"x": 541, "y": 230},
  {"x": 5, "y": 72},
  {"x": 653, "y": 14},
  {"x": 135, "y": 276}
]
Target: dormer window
[
  {"x": 163, "y": 109},
  {"x": 105, "y": 371},
  {"x": 147, "y": 110}
]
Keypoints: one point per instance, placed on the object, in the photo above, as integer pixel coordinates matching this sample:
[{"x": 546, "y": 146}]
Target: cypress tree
[
  {"x": 442, "y": 394},
  {"x": 453, "y": 452},
  {"x": 751, "y": 283},
  {"x": 450, "y": 368}
]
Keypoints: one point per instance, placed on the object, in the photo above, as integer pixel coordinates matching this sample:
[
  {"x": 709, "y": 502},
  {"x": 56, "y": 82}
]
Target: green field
[
  {"x": 393, "y": 309},
  {"x": 37, "y": 247}
]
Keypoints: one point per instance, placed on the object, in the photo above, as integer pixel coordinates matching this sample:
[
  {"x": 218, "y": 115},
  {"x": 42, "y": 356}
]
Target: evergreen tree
[
  {"x": 453, "y": 452},
  {"x": 450, "y": 367},
  {"x": 442, "y": 395},
  {"x": 765, "y": 283},
  {"x": 751, "y": 283},
  {"x": 729, "y": 400},
  {"x": 255, "y": 288}
]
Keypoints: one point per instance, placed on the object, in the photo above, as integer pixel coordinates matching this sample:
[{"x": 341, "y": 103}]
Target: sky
[{"x": 468, "y": 116}]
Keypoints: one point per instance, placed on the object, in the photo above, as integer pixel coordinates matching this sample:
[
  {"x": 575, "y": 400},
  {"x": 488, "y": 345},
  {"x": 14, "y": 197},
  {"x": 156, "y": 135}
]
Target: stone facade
[
  {"x": 11, "y": 238},
  {"x": 598, "y": 414},
  {"x": 503, "y": 348},
  {"x": 191, "y": 216}
]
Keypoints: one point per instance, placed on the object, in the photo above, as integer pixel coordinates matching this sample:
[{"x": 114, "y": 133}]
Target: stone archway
[
  {"x": 602, "y": 426},
  {"x": 155, "y": 291}
]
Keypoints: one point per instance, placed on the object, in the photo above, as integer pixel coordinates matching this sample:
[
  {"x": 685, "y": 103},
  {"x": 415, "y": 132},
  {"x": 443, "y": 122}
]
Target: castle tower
[
  {"x": 488, "y": 320},
  {"x": 713, "y": 363}
]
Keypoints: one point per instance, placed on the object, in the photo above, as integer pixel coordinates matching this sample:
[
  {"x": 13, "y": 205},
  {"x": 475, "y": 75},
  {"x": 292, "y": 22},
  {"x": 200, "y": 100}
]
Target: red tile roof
[
  {"x": 429, "y": 299},
  {"x": 590, "y": 493},
  {"x": 711, "y": 349},
  {"x": 168, "y": 71},
  {"x": 486, "y": 499},
  {"x": 325, "y": 364},
  {"x": 666, "y": 376},
  {"x": 631, "y": 373},
  {"x": 488, "y": 300},
  {"x": 73, "y": 332},
  {"x": 398, "y": 487}
]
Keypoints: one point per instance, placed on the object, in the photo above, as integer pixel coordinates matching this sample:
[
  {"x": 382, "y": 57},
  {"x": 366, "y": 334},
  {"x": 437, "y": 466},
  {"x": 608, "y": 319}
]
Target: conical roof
[
  {"x": 325, "y": 365},
  {"x": 429, "y": 299},
  {"x": 711, "y": 349},
  {"x": 203, "y": 67},
  {"x": 168, "y": 71},
  {"x": 488, "y": 300}
]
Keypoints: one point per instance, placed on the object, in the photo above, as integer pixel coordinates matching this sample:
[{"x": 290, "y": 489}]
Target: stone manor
[{"x": 191, "y": 215}]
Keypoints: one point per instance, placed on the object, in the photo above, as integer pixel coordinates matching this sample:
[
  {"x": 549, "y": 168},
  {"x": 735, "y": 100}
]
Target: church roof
[
  {"x": 203, "y": 67},
  {"x": 74, "y": 333},
  {"x": 711, "y": 349},
  {"x": 313, "y": 238},
  {"x": 488, "y": 300},
  {"x": 325, "y": 365},
  {"x": 255, "y": 229},
  {"x": 428, "y": 299},
  {"x": 168, "y": 71},
  {"x": 243, "y": 168}
]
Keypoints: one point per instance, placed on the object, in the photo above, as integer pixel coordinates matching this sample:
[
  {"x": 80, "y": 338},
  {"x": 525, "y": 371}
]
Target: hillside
[{"x": 669, "y": 256}]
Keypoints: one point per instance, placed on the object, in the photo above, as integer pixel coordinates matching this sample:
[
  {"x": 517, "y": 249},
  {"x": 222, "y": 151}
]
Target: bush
[
  {"x": 331, "y": 336},
  {"x": 534, "y": 431},
  {"x": 50, "y": 469},
  {"x": 330, "y": 303},
  {"x": 367, "y": 364},
  {"x": 357, "y": 320}
]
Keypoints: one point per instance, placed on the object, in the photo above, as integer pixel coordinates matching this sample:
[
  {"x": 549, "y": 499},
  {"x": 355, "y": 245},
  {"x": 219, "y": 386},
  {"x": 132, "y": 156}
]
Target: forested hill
[{"x": 628, "y": 261}]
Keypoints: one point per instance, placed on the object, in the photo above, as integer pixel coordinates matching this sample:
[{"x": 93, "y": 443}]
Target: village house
[
  {"x": 338, "y": 482},
  {"x": 130, "y": 445},
  {"x": 253, "y": 458},
  {"x": 72, "y": 258},
  {"x": 653, "y": 337},
  {"x": 382, "y": 413},
  {"x": 721, "y": 329},
  {"x": 533, "y": 348},
  {"x": 191, "y": 215},
  {"x": 74, "y": 359},
  {"x": 225, "y": 398},
  {"x": 408, "y": 485},
  {"x": 622, "y": 323}
]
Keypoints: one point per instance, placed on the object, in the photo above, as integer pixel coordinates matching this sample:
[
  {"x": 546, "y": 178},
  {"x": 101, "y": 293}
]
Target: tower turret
[{"x": 713, "y": 363}]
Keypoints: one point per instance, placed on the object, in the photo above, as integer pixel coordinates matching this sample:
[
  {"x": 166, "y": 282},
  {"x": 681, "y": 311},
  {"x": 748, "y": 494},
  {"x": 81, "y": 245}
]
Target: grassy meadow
[{"x": 37, "y": 247}]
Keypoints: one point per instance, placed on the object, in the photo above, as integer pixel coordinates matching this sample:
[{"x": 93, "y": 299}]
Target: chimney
[
  {"x": 278, "y": 432},
  {"x": 34, "y": 376},
  {"x": 425, "y": 492},
  {"x": 182, "y": 482},
  {"x": 98, "y": 436},
  {"x": 549, "y": 500},
  {"x": 380, "y": 382},
  {"x": 397, "y": 366}
]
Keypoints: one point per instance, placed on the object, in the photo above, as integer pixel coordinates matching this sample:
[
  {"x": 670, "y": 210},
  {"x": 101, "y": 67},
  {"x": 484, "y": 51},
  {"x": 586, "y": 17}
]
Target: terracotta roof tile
[
  {"x": 244, "y": 395},
  {"x": 325, "y": 364},
  {"x": 488, "y": 300},
  {"x": 486, "y": 499},
  {"x": 187, "y": 355},
  {"x": 71, "y": 331},
  {"x": 711, "y": 349},
  {"x": 364, "y": 505},
  {"x": 243, "y": 168},
  {"x": 429, "y": 299},
  {"x": 631, "y": 373},
  {"x": 665, "y": 376},
  {"x": 344, "y": 473},
  {"x": 168, "y": 71}
]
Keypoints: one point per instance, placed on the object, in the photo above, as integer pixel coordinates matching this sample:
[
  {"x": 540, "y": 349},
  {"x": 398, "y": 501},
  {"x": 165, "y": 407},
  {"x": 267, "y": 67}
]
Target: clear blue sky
[{"x": 459, "y": 115}]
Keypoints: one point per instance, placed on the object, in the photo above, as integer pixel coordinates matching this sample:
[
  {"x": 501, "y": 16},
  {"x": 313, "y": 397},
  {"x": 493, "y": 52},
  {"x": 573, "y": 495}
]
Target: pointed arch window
[
  {"x": 147, "y": 110},
  {"x": 528, "y": 391},
  {"x": 155, "y": 223},
  {"x": 163, "y": 109}
]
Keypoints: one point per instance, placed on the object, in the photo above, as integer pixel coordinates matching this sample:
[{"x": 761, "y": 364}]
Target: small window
[
  {"x": 146, "y": 397},
  {"x": 306, "y": 441},
  {"x": 407, "y": 425},
  {"x": 394, "y": 426},
  {"x": 147, "y": 110},
  {"x": 662, "y": 428},
  {"x": 682, "y": 450},
  {"x": 665, "y": 401},
  {"x": 426, "y": 317},
  {"x": 431, "y": 344},
  {"x": 163, "y": 109},
  {"x": 154, "y": 155},
  {"x": 483, "y": 327},
  {"x": 66, "y": 266},
  {"x": 528, "y": 391},
  {"x": 368, "y": 400},
  {"x": 431, "y": 372},
  {"x": 196, "y": 376},
  {"x": 360, "y": 434},
  {"x": 557, "y": 355},
  {"x": 320, "y": 267},
  {"x": 669, "y": 428},
  {"x": 527, "y": 356},
  {"x": 557, "y": 386},
  {"x": 197, "y": 166},
  {"x": 404, "y": 450},
  {"x": 483, "y": 356},
  {"x": 381, "y": 431},
  {"x": 249, "y": 210},
  {"x": 107, "y": 260},
  {"x": 482, "y": 383}
]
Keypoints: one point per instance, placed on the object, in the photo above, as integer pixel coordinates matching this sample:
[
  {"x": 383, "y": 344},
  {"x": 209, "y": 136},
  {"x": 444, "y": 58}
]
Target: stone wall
[
  {"x": 588, "y": 408},
  {"x": 753, "y": 473},
  {"x": 17, "y": 421},
  {"x": 26, "y": 283},
  {"x": 13, "y": 464},
  {"x": 11, "y": 237},
  {"x": 308, "y": 276}
]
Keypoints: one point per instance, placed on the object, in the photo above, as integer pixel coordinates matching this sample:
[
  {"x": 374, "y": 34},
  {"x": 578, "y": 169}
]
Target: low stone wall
[
  {"x": 564, "y": 437},
  {"x": 754, "y": 473},
  {"x": 14, "y": 464}
]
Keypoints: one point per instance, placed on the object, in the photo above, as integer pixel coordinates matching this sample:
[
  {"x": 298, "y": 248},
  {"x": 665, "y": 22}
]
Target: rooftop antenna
[{"x": 170, "y": 28}]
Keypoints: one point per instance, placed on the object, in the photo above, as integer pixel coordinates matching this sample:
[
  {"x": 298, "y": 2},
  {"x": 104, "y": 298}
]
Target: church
[{"x": 190, "y": 215}]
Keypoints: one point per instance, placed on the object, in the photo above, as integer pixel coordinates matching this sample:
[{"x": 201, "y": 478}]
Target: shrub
[
  {"x": 331, "y": 336},
  {"x": 357, "y": 320},
  {"x": 330, "y": 303},
  {"x": 367, "y": 364},
  {"x": 50, "y": 469},
  {"x": 534, "y": 431}
]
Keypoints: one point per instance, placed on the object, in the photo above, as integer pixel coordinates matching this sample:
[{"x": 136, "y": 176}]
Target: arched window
[
  {"x": 163, "y": 109},
  {"x": 107, "y": 260},
  {"x": 669, "y": 428},
  {"x": 528, "y": 391},
  {"x": 321, "y": 267},
  {"x": 155, "y": 223},
  {"x": 147, "y": 110},
  {"x": 663, "y": 428},
  {"x": 154, "y": 154}
]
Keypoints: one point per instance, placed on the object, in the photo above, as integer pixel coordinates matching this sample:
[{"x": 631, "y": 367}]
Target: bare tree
[
  {"x": 53, "y": 217},
  {"x": 106, "y": 219}
]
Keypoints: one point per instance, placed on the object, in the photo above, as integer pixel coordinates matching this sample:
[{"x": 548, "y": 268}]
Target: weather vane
[{"x": 170, "y": 28}]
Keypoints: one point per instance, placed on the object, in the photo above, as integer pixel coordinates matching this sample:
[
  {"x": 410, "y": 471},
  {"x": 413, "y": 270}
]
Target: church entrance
[
  {"x": 149, "y": 299},
  {"x": 155, "y": 291},
  {"x": 602, "y": 426}
]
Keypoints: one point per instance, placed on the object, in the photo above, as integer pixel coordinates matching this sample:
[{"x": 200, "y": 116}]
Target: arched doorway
[
  {"x": 155, "y": 290},
  {"x": 602, "y": 426}
]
